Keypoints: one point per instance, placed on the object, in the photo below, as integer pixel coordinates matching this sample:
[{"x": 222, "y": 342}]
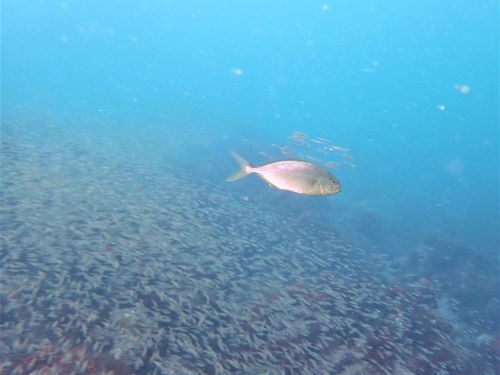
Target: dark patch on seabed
[{"x": 111, "y": 265}]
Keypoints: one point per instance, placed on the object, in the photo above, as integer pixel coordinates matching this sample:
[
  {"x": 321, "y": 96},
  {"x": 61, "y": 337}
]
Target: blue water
[{"x": 116, "y": 115}]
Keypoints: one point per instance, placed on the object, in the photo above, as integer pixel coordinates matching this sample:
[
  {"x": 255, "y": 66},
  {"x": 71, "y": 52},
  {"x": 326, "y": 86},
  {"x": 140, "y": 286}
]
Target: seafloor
[{"x": 112, "y": 262}]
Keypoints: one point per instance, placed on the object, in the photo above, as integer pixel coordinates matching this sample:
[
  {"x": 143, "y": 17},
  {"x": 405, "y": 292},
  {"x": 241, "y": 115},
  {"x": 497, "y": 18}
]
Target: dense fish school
[{"x": 104, "y": 270}]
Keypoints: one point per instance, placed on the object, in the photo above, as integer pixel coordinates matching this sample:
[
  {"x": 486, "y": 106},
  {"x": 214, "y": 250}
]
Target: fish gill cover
[{"x": 123, "y": 251}]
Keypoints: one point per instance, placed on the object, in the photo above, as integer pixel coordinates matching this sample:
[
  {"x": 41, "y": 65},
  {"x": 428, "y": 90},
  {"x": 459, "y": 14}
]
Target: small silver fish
[
  {"x": 298, "y": 176},
  {"x": 320, "y": 140}
]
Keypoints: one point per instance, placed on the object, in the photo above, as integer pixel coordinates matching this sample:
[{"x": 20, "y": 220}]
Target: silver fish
[{"x": 298, "y": 176}]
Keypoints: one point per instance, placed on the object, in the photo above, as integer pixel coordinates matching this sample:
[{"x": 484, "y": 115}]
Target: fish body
[{"x": 297, "y": 176}]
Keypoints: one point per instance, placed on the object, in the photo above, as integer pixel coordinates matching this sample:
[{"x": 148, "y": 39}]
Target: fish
[
  {"x": 312, "y": 158},
  {"x": 320, "y": 140},
  {"x": 332, "y": 164},
  {"x": 297, "y": 176},
  {"x": 298, "y": 136},
  {"x": 338, "y": 148},
  {"x": 265, "y": 154},
  {"x": 286, "y": 150}
]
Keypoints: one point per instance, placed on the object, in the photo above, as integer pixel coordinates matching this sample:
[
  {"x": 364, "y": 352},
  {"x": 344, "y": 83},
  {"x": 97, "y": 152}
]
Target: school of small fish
[
  {"x": 317, "y": 150},
  {"x": 114, "y": 267}
]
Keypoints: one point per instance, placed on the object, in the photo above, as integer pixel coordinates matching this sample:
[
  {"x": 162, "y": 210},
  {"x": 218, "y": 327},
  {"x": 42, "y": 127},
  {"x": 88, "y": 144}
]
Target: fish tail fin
[{"x": 245, "y": 168}]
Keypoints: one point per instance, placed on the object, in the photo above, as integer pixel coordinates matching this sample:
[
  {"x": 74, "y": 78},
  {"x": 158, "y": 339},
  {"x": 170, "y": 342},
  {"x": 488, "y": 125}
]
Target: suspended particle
[
  {"x": 462, "y": 88},
  {"x": 455, "y": 166},
  {"x": 237, "y": 71}
]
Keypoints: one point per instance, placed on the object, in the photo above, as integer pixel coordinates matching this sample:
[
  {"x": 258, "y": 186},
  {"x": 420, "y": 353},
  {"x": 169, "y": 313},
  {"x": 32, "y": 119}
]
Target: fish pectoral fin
[{"x": 318, "y": 186}]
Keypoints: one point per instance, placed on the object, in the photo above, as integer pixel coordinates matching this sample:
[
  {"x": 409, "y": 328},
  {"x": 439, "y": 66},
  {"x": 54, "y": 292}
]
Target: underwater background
[{"x": 124, "y": 251}]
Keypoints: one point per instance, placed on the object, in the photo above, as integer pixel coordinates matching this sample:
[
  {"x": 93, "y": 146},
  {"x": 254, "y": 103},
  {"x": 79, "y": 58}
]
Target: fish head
[
  {"x": 329, "y": 185},
  {"x": 334, "y": 185}
]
